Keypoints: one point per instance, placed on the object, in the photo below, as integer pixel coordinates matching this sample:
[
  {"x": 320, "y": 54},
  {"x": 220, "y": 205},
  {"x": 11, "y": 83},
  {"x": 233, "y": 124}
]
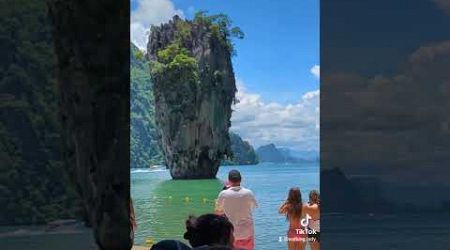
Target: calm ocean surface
[{"x": 162, "y": 205}]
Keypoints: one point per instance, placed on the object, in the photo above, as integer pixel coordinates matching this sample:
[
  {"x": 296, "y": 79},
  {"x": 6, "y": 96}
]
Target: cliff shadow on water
[{"x": 194, "y": 88}]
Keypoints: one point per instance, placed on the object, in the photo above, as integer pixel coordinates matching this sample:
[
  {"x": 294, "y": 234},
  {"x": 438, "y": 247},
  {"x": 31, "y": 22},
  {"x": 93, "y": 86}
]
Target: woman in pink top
[{"x": 293, "y": 208}]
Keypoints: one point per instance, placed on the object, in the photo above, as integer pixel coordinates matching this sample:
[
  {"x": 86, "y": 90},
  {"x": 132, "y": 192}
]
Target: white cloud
[
  {"x": 292, "y": 125},
  {"x": 315, "y": 70},
  {"x": 139, "y": 35},
  {"x": 150, "y": 12}
]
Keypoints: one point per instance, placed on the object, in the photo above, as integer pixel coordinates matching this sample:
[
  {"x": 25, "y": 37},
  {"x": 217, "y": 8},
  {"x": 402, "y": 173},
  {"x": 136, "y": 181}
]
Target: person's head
[
  {"x": 170, "y": 245},
  {"x": 226, "y": 185},
  {"x": 209, "y": 229},
  {"x": 213, "y": 248},
  {"x": 294, "y": 203},
  {"x": 314, "y": 197},
  {"x": 234, "y": 177}
]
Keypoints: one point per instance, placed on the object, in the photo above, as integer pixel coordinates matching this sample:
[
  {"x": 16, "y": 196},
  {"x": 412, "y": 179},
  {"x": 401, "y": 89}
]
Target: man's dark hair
[
  {"x": 209, "y": 230},
  {"x": 234, "y": 176},
  {"x": 213, "y": 248},
  {"x": 170, "y": 245}
]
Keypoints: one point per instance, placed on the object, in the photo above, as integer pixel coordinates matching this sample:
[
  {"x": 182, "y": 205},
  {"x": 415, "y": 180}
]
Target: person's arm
[
  {"x": 132, "y": 216},
  {"x": 306, "y": 210},
  {"x": 313, "y": 210},
  {"x": 253, "y": 202},
  {"x": 282, "y": 209},
  {"x": 219, "y": 205}
]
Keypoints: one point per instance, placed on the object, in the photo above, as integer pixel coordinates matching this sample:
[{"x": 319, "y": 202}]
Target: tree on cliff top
[
  {"x": 221, "y": 27},
  {"x": 176, "y": 60}
]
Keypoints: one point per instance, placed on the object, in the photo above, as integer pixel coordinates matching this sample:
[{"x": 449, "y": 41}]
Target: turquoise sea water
[{"x": 162, "y": 205}]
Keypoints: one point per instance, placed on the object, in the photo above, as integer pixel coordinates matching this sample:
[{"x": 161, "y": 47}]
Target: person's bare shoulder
[
  {"x": 314, "y": 207},
  {"x": 282, "y": 209},
  {"x": 305, "y": 207},
  {"x": 222, "y": 193}
]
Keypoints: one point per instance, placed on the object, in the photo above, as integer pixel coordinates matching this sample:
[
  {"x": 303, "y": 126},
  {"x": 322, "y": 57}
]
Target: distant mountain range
[
  {"x": 270, "y": 153},
  {"x": 304, "y": 155}
]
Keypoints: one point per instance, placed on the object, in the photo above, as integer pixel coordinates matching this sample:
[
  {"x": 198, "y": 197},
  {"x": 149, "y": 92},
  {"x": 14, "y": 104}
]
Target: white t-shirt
[{"x": 237, "y": 204}]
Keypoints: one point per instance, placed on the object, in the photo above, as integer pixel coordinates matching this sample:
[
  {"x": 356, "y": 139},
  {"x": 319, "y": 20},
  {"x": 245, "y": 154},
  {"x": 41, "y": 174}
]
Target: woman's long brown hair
[
  {"x": 294, "y": 203},
  {"x": 314, "y": 197}
]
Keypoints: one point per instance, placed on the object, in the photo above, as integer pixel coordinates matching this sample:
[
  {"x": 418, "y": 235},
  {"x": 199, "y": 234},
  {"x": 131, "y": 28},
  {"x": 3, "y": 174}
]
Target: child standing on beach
[{"x": 293, "y": 208}]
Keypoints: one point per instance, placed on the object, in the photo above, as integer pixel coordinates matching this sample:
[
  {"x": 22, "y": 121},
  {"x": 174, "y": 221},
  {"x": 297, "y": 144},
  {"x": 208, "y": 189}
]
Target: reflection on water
[{"x": 162, "y": 205}]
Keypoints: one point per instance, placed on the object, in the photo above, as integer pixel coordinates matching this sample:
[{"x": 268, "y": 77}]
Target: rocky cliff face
[
  {"x": 192, "y": 103},
  {"x": 270, "y": 153},
  {"x": 34, "y": 186},
  {"x": 93, "y": 79},
  {"x": 243, "y": 152}
]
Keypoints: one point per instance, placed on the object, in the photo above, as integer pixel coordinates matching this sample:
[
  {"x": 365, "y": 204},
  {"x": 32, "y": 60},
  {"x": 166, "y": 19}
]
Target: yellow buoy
[
  {"x": 204, "y": 200},
  {"x": 186, "y": 199},
  {"x": 149, "y": 241}
]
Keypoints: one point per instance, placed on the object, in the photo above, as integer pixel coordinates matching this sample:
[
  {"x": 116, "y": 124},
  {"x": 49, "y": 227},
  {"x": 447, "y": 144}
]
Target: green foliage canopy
[
  {"x": 144, "y": 146},
  {"x": 221, "y": 27}
]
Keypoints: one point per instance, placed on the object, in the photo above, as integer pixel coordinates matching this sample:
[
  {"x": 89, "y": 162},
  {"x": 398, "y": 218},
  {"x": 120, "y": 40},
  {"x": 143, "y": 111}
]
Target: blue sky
[
  {"x": 277, "y": 63},
  {"x": 281, "y": 44}
]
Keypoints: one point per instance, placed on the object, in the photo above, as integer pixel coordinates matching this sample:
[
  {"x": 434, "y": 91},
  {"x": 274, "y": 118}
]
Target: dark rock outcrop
[
  {"x": 243, "y": 152},
  {"x": 193, "y": 114},
  {"x": 92, "y": 47},
  {"x": 269, "y": 153},
  {"x": 307, "y": 155},
  {"x": 34, "y": 186},
  {"x": 339, "y": 195}
]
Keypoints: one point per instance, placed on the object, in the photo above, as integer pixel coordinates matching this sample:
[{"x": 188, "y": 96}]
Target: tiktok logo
[{"x": 305, "y": 221}]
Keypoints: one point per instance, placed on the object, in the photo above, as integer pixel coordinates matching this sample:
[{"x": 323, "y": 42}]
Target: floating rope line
[{"x": 186, "y": 199}]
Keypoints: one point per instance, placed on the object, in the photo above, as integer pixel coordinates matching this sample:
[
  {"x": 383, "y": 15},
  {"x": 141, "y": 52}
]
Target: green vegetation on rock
[
  {"x": 243, "y": 152},
  {"x": 194, "y": 88},
  {"x": 175, "y": 60},
  {"x": 180, "y": 79},
  {"x": 174, "y": 63},
  {"x": 220, "y": 26},
  {"x": 35, "y": 187},
  {"x": 144, "y": 147}
]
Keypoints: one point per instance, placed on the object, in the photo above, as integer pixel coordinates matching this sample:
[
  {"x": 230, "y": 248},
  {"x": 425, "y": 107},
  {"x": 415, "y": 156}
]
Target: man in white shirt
[{"x": 237, "y": 203}]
